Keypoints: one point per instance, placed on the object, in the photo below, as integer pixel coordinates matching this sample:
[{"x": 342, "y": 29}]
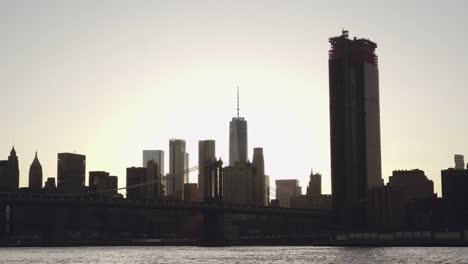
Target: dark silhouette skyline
[{"x": 232, "y": 202}]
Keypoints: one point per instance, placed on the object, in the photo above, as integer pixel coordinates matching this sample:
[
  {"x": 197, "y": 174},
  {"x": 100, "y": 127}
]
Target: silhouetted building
[
  {"x": 35, "y": 175},
  {"x": 178, "y": 169},
  {"x": 459, "y": 162},
  {"x": 135, "y": 180},
  {"x": 315, "y": 184},
  {"x": 9, "y": 173},
  {"x": 314, "y": 199},
  {"x": 157, "y": 156},
  {"x": 414, "y": 183},
  {"x": 107, "y": 186},
  {"x": 94, "y": 175},
  {"x": 259, "y": 180},
  {"x": 455, "y": 197},
  {"x": 238, "y": 143},
  {"x": 50, "y": 186},
  {"x": 354, "y": 126},
  {"x": 206, "y": 157},
  {"x": 239, "y": 183},
  {"x": 103, "y": 184},
  {"x": 285, "y": 190},
  {"x": 386, "y": 207},
  {"x": 71, "y": 170},
  {"x": 153, "y": 187}
]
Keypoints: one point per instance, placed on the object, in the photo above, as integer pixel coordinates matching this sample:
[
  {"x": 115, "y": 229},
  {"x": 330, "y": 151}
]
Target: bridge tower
[{"x": 213, "y": 214}]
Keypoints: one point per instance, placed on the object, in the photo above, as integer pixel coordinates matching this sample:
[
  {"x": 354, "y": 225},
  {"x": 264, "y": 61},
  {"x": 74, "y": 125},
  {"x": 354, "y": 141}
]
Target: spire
[
  {"x": 13, "y": 151},
  {"x": 36, "y": 161},
  {"x": 237, "y": 101}
]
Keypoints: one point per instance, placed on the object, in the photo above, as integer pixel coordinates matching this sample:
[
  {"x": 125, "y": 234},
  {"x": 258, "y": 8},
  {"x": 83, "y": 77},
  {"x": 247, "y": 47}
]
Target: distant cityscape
[{"x": 360, "y": 200}]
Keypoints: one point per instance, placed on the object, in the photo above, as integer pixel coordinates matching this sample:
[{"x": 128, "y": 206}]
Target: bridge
[{"x": 206, "y": 221}]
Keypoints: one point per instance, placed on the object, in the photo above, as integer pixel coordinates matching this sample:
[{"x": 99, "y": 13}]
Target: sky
[{"x": 110, "y": 78}]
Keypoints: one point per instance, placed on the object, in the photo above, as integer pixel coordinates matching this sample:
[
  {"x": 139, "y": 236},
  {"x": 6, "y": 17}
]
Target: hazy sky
[{"x": 110, "y": 78}]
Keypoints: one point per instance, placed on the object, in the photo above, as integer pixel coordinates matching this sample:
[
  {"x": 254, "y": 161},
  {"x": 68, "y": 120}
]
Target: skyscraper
[
  {"x": 157, "y": 156},
  {"x": 206, "y": 156},
  {"x": 238, "y": 148},
  {"x": 459, "y": 162},
  {"x": 9, "y": 173},
  {"x": 239, "y": 183},
  {"x": 354, "y": 126},
  {"x": 285, "y": 190},
  {"x": 259, "y": 179},
  {"x": 315, "y": 184},
  {"x": 135, "y": 180},
  {"x": 35, "y": 175},
  {"x": 71, "y": 170},
  {"x": 178, "y": 168},
  {"x": 153, "y": 189}
]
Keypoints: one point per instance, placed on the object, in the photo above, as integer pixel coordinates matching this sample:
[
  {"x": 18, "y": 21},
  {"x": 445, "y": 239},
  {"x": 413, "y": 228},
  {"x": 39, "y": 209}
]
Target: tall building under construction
[{"x": 354, "y": 126}]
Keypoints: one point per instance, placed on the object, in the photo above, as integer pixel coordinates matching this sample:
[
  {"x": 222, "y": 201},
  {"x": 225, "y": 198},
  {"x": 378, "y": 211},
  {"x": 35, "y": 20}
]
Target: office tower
[
  {"x": 178, "y": 168},
  {"x": 354, "y": 126},
  {"x": 153, "y": 187},
  {"x": 238, "y": 147},
  {"x": 414, "y": 183},
  {"x": 206, "y": 157},
  {"x": 455, "y": 196},
  {"x": 94, "y": 175},
  {"x": 71, "y": 170},
  {"x": 259, "y": 180},
  {"x": 285, "y": 190},
  {"x": 103, "y": 184},
  {"x": 157, "y": 156},
  {"x": 9, "y": 173},
  {"x": 315, "y": 184},
  {"x": 107, "y": 186},
  {"x": 459, "y": 162},
  {"x": 135, "y": 179},
  {"x": 239, "y": 183},
  {"x": 35, "y": 175}
]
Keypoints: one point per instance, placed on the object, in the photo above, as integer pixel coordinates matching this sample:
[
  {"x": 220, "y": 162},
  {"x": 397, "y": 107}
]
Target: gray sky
[{"x": 111, "y": 78}]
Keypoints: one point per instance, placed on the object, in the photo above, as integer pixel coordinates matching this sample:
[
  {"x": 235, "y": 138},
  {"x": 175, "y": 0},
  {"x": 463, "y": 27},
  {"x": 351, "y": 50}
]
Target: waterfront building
[
  {"x": 414, "y": 183},
  {"x": 455, "y": 196},
  {"x": 354, "y": 126}
]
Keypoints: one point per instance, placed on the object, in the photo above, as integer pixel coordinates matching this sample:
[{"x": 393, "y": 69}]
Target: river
[{"x": 144, "y": 255}]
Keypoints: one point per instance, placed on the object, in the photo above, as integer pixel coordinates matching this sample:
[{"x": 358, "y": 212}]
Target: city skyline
[{"x": 106, "y": 142}]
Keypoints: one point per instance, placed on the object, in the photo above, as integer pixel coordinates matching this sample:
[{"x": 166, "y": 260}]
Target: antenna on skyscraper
[{"x": 237, "y": 101}]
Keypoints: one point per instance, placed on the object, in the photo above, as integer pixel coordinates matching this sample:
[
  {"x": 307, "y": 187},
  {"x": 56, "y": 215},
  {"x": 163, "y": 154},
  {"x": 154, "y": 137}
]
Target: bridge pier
[{"x": 213, "y": 224}]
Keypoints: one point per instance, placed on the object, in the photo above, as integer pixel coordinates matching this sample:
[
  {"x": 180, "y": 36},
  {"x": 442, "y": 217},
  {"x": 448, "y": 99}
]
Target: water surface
[{"x": 144, "y": 255}]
